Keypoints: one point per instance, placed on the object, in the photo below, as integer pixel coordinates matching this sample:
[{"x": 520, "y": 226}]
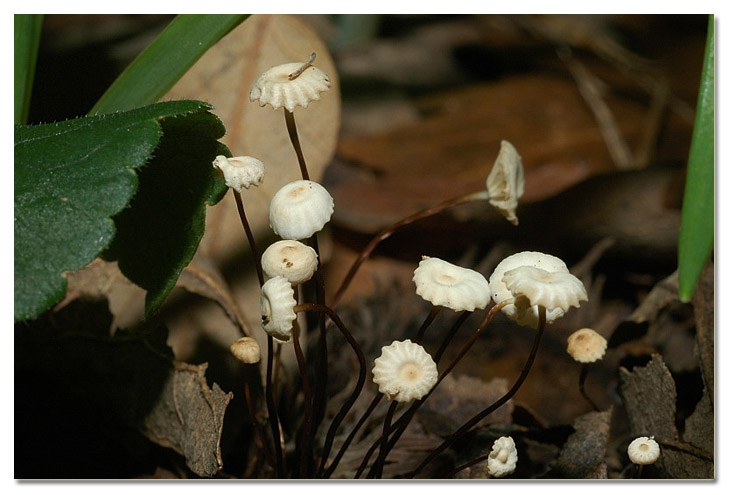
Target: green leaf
[
  {"x": 159, "y": 233},
  {"x": 697, "y": 230},
  {"x": 27, "y": 39},
  {"x": 70, "y": 178},
  {"x": 149, "y": 77}
]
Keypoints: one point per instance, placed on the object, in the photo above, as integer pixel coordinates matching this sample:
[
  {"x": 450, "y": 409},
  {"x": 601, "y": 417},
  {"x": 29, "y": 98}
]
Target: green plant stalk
[
  {"x": 166, "y": 60},
  {"x": 697, "y": 230},
  {"x": 27, "y": 38}
]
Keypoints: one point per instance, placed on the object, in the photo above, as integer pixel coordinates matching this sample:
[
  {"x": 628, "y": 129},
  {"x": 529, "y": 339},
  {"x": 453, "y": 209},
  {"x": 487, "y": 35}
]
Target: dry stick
[
  {"x": 388, "y": 231},
  {"x": 321, "y": 308},
  {"x": 496, "y": 405},
  {"x": 406, "y": 417},
  {"x": 581, "y": 385}
]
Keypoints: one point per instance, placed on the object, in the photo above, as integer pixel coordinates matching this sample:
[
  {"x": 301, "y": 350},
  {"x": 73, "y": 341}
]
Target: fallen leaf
[
  {"x": 223, "y": 77},
  {"x": 583, "y": 454}
]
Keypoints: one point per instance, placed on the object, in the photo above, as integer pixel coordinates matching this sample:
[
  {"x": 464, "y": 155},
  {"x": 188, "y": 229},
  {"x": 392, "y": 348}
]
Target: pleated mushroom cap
[
  {"x": 502, "y": 459},
  {"x": 506, "y": 182},
  {"x": 404, "y": 371},
  {"x": 275, "y": 87},
  {"x": 246, "y": 350},
  {"x": 643, "y": 450},
  {"x": 240, "y": 172},
  {"x": 290, "y": 259},
  {"x": 277, "y": 308},
  {"x": 443, "y": 284},
  {"x": 586, "y": 345},
  {"x": 551, "y": 290},
  {"x": 299, "y": 209},
  {"x": 521, "y": 309}
]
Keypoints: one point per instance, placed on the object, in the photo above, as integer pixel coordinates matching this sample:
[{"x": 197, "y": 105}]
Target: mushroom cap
[
  {"x": 522, "y": 309},
  {"x": 547, "y": 289},
  {"x": 274, "y": 87},
  {"x": 299, "y": 209},
  {"x": 506, "y": 181},
  {"x": 643, "y": 450},
  {"x": 246, "y": 350},
  {"x": 277, "y": 308},
  {"x": 502, "y": 459},
  {"x": 586, "y": 345},
  {"x": 443, "y": 284},
  {"x": 290, "y": 259},
  {"x": 404, "y": 371},
  {"x": 240, "y": 171}
]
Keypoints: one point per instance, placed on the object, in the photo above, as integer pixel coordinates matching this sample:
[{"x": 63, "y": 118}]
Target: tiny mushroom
[
  {"x": 643, "y": 450},
  {"x": 299, "y": 209},
  {"x": 246, "y": 350},
  {"x": 530, "y": 279},
  {"x": 404, "y": 371},
  {"x": 506, "y": 181},
  {"x": 586, "y": 345},
  {"x": 277, "y": 308},
  {"x": 502, "y": 459},
  {"x": 240, "y": 171},
  {"x": 443, "y": 284},
  {"x": 289, "y": 85},
  {"x": 290, "y": 259}
]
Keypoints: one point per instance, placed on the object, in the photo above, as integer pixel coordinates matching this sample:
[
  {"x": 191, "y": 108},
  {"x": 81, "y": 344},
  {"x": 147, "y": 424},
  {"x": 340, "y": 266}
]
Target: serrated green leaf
[
  {"x": 697, "y": 230},
  {"x": 70, "y": 178},
  {"x": 159, "y": 233}
]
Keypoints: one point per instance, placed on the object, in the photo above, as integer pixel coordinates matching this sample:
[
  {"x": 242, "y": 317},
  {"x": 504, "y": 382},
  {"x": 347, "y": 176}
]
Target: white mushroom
[
  {"x": 643, "y": 450},
  {"x": 240, "y": 171},
  {"x": 288, "y": 85},
  {"x": 299, "y": 209},
  {"x": 246, "y": 350},
  {"x": 443, "y": 284},
  {"x": 506, "y": 181},
  {"x": 586, "y": 345},
  {"x": 277, "y": 308},
  {"x": 547, "y": 288},
  {"x": 290, "y": 259},
  {"x": 404, "y": 371},
  {"x": 503, "y": 457}
]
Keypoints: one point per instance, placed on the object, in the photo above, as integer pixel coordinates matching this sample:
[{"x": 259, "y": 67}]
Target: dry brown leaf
[
  {"x": 188, "y": 418},
  {"x": 583, "y": 455},
  {"x": 223, "y": 77}
]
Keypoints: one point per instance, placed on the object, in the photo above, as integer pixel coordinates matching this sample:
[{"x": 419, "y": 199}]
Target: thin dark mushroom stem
[
  {"x": 291, "y": 128},
  {"x": 377, "y": 470},
  {"x": 581, "y": 385},
  {"x": 347, "y": 405},
  {"x": 467, "y": 465},
  {"x": 402, "y": 423},
  {"x": 273, "y": 414},
  {"x": 388, "y": 231},
  {"x": 497, "y": 404},
  {"x": 249, "y": 236},
  {"x": 306, "y": 438},
  {"x": 426, "y": 323}
]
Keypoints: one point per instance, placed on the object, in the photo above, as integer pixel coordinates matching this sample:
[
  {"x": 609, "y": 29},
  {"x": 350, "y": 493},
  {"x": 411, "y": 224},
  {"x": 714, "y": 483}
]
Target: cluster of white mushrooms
[{"x": 533, "y": 289}]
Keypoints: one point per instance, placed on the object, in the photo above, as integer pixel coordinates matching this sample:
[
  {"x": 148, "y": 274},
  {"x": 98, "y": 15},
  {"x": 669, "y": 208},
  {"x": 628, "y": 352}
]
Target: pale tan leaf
[{"x": 223, "y": 77}]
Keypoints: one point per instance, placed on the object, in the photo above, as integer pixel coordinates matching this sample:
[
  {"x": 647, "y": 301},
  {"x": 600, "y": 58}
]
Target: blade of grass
[
  {"x": 697, "y": 230},
  {"x": 27, "y": 38},
  {"x": 165, "y": 61}
]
